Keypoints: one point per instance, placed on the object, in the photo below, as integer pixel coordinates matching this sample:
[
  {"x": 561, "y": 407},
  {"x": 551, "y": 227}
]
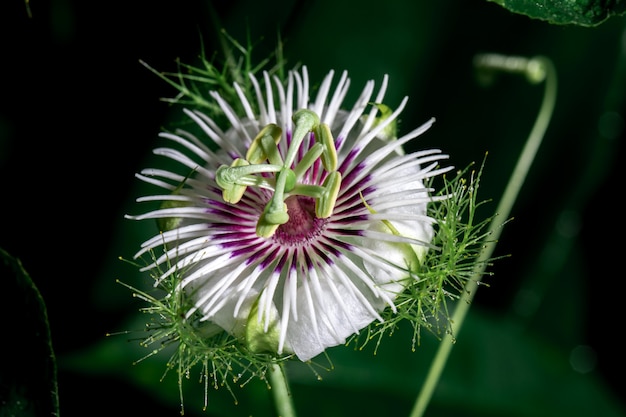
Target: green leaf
[
  {"x": 567, "y": 12},
  {"x": 28, "y": 385}
]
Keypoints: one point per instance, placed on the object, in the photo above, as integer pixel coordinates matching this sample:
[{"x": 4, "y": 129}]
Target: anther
[
  {"x": 324, "y": 136},
  {"x": 325, "y": 204},
  {"x": 231, "y": 191},
  {"x": 264, "y": 146}
]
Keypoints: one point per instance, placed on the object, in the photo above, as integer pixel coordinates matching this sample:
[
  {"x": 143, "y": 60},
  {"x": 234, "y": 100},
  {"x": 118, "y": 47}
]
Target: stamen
[
  {"x": 231, "y": 192},
  {"x": 264, "y": 157},
  {"x": 239, "y": 174},
  {"x": 324, "y": 136},
  {"x": 325, "y": 204},
  {"x": 264, "y": 146}
]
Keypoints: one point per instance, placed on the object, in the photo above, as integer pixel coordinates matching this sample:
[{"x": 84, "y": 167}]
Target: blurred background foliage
[{"x": 79, "y": 116}]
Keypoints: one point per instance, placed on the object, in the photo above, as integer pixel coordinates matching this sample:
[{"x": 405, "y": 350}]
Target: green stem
[
  {"x": 504, "y": 208},
  {"x": 280, "y": 391}
]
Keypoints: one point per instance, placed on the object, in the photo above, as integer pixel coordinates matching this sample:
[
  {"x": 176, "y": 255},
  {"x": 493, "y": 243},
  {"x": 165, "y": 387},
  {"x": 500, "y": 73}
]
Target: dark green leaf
[{"x": 567, "y": 12}]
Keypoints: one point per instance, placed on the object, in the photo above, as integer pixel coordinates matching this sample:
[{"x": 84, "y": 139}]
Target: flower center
[
  {"x": 303, "y": 225},
  {"x": 296, "y": 207}
]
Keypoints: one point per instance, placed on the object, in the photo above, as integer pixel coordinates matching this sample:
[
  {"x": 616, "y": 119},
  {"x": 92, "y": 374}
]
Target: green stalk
[
  {"x": 504, "y": 208},
  {"x": 280, "y": 391}
]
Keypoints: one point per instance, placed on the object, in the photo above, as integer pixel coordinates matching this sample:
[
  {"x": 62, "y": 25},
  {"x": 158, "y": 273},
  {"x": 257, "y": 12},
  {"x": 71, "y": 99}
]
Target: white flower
[{"x": 296, "y": 226}]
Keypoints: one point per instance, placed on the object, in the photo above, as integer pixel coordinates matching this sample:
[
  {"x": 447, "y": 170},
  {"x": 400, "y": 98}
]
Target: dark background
[{"x": 79, "y": 116}]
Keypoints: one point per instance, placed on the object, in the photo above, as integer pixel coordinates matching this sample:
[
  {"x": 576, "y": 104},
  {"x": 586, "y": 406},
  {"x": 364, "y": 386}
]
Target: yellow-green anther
[
  {"x": 269, "y": 221},
  {"x": 270, "y": 148},
  {"x": 276, "y": 213},
  {"x": 225, "y": 178},
  {"x": 305, "y": 121},
  {"x": 261, "y": 149},
  {"x": 390, "y": 131},
  {"x": 324, "y": 136},
  {"x": 325, "y": 204}
]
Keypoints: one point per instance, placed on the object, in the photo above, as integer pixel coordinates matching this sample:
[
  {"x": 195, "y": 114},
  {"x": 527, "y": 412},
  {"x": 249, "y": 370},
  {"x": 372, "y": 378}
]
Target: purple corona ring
[{"x": 296, "y": 225}]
